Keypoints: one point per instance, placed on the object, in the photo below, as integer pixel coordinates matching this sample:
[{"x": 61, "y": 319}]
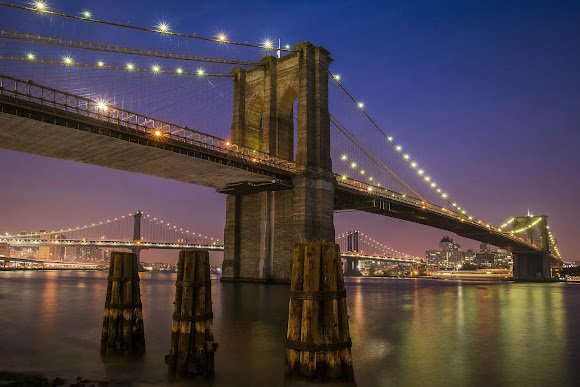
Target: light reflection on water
[{"x": 404, "y": 332}]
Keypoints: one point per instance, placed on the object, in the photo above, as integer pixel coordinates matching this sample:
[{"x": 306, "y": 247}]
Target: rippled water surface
[{"x": 404, "y": 332}]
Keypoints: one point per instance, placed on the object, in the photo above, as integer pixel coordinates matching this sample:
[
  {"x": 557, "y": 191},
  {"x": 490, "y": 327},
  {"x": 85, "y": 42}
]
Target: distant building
[
  {"x": 51, "y": 252},
  {"x": 447, "y": 257},
  {"x": 89, "y": 254},
  {"x": 450, "y": 257}
]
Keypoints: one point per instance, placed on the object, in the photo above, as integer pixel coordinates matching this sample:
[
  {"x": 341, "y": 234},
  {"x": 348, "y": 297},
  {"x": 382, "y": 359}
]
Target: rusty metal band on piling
[
  {"x": 300, "y": 295},
  {"x": 312, "y": 347}
]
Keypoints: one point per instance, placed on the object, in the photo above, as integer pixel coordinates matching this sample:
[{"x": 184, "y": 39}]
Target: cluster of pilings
[
  {"x": 192, "y": 346},
  {"x": 318, "y": 339}
]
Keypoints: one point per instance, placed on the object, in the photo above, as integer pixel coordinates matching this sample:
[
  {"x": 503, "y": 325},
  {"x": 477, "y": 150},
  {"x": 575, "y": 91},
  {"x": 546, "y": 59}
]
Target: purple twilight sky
[{"x": 486, "y": 94}]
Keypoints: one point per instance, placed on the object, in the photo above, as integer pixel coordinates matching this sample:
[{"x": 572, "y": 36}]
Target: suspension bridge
[
  {"x": 139, "y": 231},
  {"x": 270, "y": 126}
]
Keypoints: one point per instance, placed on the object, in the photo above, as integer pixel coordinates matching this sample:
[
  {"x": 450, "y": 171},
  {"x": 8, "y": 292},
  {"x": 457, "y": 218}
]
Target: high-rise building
[
  {"x": 449, "y": 257},
  {"x": 89, "y": 254},
  {"x": 51, "y": 252}
]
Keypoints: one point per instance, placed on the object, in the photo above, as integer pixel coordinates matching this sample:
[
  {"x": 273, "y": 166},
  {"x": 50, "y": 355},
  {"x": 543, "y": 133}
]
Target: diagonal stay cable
[{"x": 370, "y": 155}]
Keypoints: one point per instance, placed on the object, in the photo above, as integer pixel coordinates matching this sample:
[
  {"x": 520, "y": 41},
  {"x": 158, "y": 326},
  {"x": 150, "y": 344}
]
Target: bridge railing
[
  {"x": 21, "y": 90},
  {"x": 425, "y": 205}
]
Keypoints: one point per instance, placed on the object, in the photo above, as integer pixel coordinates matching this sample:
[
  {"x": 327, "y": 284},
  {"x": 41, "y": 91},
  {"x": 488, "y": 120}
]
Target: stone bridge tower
[{"x": 262, "y": 228}]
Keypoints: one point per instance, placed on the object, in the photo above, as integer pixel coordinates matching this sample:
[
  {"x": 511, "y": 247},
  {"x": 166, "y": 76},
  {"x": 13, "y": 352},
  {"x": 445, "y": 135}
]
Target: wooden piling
[
  {"x": 318, "y": 339},
  {"x": 123, "y": 332},
  {"x": 192, "y": 346}
]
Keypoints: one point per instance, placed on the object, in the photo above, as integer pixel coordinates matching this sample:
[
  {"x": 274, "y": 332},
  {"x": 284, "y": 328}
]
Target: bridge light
[
  {"x": 353, "y": 165},
  {"x": 40, "y": 6},
  {"x": 399, "y": 148},
  {"x": 287, "y": 47},
  {"x": 67, "y": 60},
  {"x": 87, "y": 14},
  {"x": 102, "y": 105},
  {"x": 390, "y": 139},
  {"x": 221, "y": 37},
  {"x": 344, "y": 157},
  {"x": 344, "y": 177},
  {"x": 179, "y": 70},
  {"x": 336, "y": 77},
  {"x": 369, "y": 189},
  {"x": 268, "y": 44},
  {"x": 413, "y": 165},
  {"x": 228, "y": 143},
  {"x": 427, "y": 178},
  {"x": 362, "y": 172},
  {"x": 162, "y": 27},
  {"x": 157, "y": 133},
  {"x": 406, "y": 156},
  {"x": 433, "y": 185},
  {"x": 30, "y": 56},
  {"x": 155, "y": 68},
  {"x": 100, "y": 63},
  {"x": 360, "y": 105},
  {"x": 130, "y": 66},
  {"x": 200, "y": 72},
  {"x": 444, "y": 195}
]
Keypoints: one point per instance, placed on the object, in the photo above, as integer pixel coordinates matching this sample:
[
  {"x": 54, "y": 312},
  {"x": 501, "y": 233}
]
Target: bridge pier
[
  {"x": 532, "y": 267},
  {"x": 351, "y": 269},
  {"x": 263, "y": 227}
]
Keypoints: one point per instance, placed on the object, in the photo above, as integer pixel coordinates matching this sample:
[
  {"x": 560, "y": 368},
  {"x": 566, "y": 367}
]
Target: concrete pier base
[
  {"x": 532, "y": 267},
  {"x": 351, "y": 269}
]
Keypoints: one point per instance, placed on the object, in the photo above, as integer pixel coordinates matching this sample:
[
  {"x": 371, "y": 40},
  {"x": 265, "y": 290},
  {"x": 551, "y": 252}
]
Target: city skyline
[{"x": 482, "y": 137}]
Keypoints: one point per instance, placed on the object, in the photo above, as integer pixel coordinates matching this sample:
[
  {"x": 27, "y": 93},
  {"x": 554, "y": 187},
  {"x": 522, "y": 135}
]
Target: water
[{"x": 404, "y": 332}]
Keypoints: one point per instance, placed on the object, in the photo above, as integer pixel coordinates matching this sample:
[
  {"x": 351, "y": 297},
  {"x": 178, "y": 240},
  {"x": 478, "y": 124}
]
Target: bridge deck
[
  {"x": 349, "y": 197},
  {"x": 33, "y": 129}
]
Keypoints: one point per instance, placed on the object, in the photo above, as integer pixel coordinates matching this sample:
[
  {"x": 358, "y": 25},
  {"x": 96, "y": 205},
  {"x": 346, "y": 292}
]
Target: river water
[{"x": 412, "y": 332}]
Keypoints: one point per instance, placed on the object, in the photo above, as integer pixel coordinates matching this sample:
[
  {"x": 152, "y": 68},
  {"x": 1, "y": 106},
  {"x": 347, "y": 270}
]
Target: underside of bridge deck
[{"x": 25, "y": 129}]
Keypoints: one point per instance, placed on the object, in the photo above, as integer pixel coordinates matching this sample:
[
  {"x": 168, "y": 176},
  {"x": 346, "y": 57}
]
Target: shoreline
[{"x": 31, "y": 379}]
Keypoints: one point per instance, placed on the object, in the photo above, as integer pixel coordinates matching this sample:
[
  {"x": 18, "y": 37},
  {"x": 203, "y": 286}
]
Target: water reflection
[{"x": 404, "y": 332}]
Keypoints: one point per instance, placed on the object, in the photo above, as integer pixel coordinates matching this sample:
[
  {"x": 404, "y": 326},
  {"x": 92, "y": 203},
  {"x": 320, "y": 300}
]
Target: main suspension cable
[{"x": 46, "y": 40}]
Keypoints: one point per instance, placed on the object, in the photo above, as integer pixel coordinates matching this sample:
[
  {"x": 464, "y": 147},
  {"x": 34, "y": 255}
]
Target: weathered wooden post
[
  {"x": 192, "y": 346},
  {"x": 318, "y": 340},
  {"x": 123, "y": 332}
]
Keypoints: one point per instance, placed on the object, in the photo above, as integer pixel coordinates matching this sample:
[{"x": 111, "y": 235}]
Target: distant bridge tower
[
  {"x": 263, "y": 227},
  {"x": 532, "y": 265},
  {"x": 137, "y": 233},
  {"x": 351, "y": 267},
  {"x": 352, "y": 241}
]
